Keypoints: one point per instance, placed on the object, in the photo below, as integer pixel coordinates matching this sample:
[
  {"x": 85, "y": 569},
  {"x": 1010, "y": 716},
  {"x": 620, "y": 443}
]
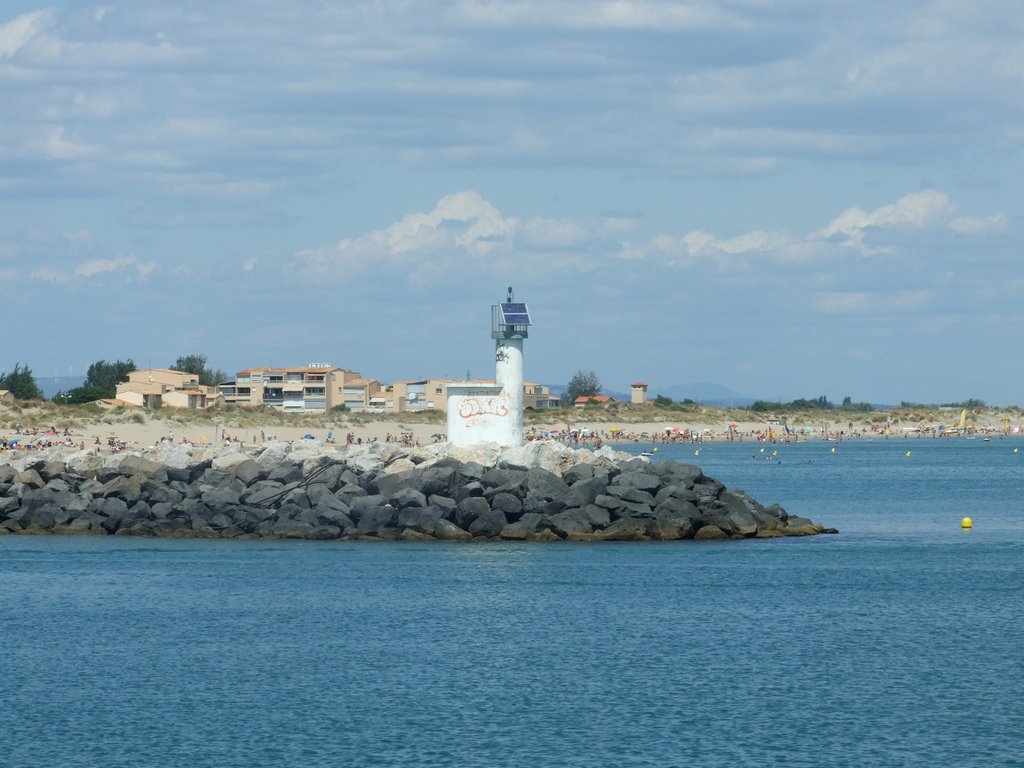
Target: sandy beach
[{"x": 135, "y": 429}]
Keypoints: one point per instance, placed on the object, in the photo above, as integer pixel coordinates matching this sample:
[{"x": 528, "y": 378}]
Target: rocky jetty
[{"x": 539, "y": 492}]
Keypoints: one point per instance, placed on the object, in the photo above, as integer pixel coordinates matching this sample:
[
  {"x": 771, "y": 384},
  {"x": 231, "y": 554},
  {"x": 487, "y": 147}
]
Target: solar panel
[{"x": 515, "y": 313}]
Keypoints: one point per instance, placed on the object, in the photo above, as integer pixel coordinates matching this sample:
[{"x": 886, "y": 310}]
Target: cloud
[
  {"x": 95, "y": 267},
  {"x": 57, "y": 147},
  {"x": 17, "y": 33},
  {"x": 928, "y": 209},
  {"x": 49, "y": 275}
]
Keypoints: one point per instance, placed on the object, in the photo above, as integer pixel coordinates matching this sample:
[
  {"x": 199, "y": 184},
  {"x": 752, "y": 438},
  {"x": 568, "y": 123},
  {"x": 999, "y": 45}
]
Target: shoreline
[{"x": 44, "y": 424}]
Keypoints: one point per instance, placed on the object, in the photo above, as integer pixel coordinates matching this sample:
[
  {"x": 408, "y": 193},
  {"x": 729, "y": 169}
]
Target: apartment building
[
  {"x": 321, "y": 387},
  {"x": 162, "y": 387},
  {"x": 425, "y": 394},
  {"x": 313, "y": 387}
]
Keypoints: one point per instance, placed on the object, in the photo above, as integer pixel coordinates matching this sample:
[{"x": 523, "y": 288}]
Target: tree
[
  {"x": 196, "y": 365},
  {"x": 80, "y": 395},
  {"x": 21, "y": 383},
  {"x": 105, "y": 377},
  {"x": 100, "y": 383},
  {"x": 663, "y": 401},
  {"x": 582, "y": 383}
]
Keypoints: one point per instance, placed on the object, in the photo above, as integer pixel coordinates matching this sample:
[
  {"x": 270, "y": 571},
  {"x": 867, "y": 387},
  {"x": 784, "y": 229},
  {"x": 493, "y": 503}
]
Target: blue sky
[{"x": 788, "y": 198}]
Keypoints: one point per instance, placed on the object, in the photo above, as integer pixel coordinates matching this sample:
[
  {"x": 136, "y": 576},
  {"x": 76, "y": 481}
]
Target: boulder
[
  {"x": 643, "y": 481},
  {"x": 374, "y": 519},
  {"x": 247, "y": 472},
  {"x": 626, "y": 529},
  {"x": 446, "y": 530},
  {"x": 291, "y": 529},
  {"x": 586, "y": 490},
  {"x": 407, "y": 497},
  {"x": 469, "y": 510},
  {"x": 488, "y": 524},
  {"x": 361, "y": 504},
  {"x": 508, "y": 504},
  {"x": 571, "y": 521},
  {"x": 421, "y": 519},
  {"x": 710, "y": 533},
  {"x": 526, "y": 528},
  {"x": 30, "y": 478},
  {"x": 137, "y": 465},
  {"x": 548, "y": 485}
]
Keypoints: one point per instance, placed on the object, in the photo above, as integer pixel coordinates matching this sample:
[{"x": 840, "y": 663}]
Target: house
[
  {"x": 363, "y": 395},
  {"x": 584, "y": 400},
  {"x": 316, "y": 387},
  {"x": 538, "y": 397},
  {"x": 159, "y": 387}
]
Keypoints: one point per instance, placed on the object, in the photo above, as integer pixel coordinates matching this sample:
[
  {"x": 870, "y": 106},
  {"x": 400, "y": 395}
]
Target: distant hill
[{"x": 701, "y": 392}]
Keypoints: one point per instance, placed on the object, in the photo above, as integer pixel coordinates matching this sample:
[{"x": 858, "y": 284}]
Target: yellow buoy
[
  {"x": 908, "y": 453},
  {"x": 775, "y": 453},
  {"x": 1015, "y": 450},
  {"x": 833, "y": 449},
  {"x": 966, "y": 523},
  {"x": 697, "y": 452},
  {"x": 762, "y": 450}
]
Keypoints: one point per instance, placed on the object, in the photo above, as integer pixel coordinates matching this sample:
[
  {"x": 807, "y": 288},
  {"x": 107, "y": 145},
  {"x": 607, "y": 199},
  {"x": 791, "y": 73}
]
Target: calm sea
[{"x": 895, "y": 643}]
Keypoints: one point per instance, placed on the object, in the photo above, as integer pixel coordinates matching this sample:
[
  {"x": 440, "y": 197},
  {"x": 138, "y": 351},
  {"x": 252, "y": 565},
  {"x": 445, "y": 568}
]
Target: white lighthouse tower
[
  {"x": 510, "y": 325},
  {"x": 493, "y": 413}
]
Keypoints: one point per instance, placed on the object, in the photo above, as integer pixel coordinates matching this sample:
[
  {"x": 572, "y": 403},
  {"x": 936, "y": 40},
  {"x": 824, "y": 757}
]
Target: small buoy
[
  {"x": 762, "y": 450},
  {"x": 775, "y": 453},
  {"x": 833, "y": 449},
  {"x": 908, "y": 453},
  {"x": 1015, "y": 450},
  {"x": 697, "y": 452},
  {"x": 966, "y": 523}
]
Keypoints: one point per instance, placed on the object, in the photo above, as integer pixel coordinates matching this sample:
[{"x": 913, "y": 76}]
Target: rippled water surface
[{"x": 897, "y": 642}]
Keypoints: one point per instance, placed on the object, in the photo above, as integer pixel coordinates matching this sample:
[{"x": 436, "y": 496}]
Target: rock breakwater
[{"x": 539, "y": 492}]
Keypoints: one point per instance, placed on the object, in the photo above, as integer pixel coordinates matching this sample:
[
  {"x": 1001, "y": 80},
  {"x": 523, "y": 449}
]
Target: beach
[{"x": 48, "y": 425}]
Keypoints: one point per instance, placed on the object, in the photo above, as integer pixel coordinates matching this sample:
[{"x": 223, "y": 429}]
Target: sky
[{"x": 788, "y": 198}]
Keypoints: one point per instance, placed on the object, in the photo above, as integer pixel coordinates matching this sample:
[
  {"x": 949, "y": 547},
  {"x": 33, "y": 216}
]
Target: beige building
[
  {"x": 432, "y": 394},
  {"x": 362, "y": 395},
  {"x": 6, "y": 396},
  {"x": 638, "y": 393},
  {"x": 538, "y": 397},
  {"x": 162, "y": 387},
  {"x": 314, "y": 387}
]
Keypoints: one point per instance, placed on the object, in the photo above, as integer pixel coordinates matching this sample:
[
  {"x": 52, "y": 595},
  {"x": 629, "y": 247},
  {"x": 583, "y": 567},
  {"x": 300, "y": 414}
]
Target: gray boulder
[
  {"x": 446, "y": 530},
  {"x": 643, "y": 481},
  {"x": 488, "y": 524},
  {"x": 247, "y": 472},
  {"x": 407, "y": 497},
  {"x": 375, "y": 519},
  {"x": 626, "y": 529},
  {"x": 571, "y": 522},
  {"x": 362, "y": 504},
  {"x": 527, "y": 527},
  {"x": 468, "y": 510},
  {"x": 586, "y": 490},
  {"x": 548, "y": 485}
]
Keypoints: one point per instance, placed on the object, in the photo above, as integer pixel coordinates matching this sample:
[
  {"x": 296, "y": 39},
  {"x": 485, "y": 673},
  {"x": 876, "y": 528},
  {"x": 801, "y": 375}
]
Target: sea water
[{"x": 896, "y": 642}]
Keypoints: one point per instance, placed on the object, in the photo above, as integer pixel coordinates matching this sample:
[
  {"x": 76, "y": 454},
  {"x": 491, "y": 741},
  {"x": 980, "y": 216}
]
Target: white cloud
[
  {"x": 57, "y": 147},
  {"x": 95, "y": 267},
  {"x": 928, "y": 209},
  {"x": 49, "y": 275},
  {"x": 17, "y": 33}
]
